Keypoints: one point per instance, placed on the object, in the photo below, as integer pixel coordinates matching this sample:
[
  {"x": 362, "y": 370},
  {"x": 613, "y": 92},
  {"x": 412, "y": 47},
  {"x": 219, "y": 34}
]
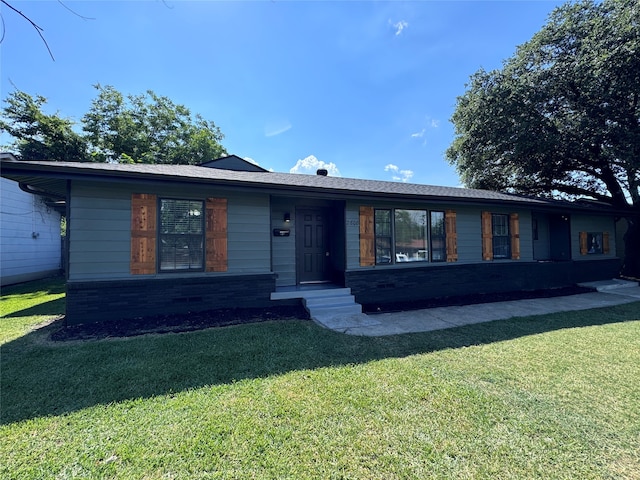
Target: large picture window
[
  {"x": 181, "y": 235},
  {"x": 406, "y": 235},
  {"x": 410, "y": 235}
]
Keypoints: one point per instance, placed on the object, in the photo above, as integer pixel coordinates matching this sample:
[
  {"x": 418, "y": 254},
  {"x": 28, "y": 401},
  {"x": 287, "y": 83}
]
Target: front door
[
  {"x": 312, "y": 245},
  {"x": 559, "y": 237}
]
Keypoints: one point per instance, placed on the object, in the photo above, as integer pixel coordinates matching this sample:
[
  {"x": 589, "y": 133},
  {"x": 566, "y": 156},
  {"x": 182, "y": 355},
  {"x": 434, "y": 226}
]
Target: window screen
[{"x": 181, "y": 235}]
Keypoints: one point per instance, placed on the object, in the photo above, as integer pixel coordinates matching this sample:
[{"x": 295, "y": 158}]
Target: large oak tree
[{"x": 562, "y": 116}]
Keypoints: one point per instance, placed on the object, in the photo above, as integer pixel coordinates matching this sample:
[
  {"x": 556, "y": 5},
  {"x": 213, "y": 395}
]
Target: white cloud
[
  {"x": 251, "y": 160},
  {"x": 399, "y": 26},
  {"x": 277, "y": 127},
  {"x": 431, "y": 123},
  {"x": 311, "y": 164},
  {"x": 398, "y": 175}
]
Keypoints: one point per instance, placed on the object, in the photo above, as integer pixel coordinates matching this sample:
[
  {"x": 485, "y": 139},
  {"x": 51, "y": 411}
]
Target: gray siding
[
  {"x": 100, "y": 232},
  {"x": 352, "y": 221},
  {"x": 283, "y": 248},
  {"x": 100, "y": 219}
]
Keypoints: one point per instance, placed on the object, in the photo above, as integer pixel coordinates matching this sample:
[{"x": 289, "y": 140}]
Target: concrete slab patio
[{"x": 609, "y": 293}]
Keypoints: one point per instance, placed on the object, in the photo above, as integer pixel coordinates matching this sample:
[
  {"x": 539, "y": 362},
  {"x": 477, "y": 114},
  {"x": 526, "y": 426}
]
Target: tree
[
  {"x": 134, "y": 129},
  {"x": 148, "y": 128},
  {"x": 562, "y": 117},
  {"x": 37, "y": 135}
]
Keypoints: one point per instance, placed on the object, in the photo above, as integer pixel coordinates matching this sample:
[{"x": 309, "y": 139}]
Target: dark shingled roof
[{"x": 50, "y": 176}]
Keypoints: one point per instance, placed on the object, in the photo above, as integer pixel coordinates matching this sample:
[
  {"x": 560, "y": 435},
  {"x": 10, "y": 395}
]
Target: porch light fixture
[{"x": 287, "y": 217}]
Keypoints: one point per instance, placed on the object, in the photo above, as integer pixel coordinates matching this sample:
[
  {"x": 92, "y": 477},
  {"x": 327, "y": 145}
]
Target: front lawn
[{"x": 553, "y": 396}]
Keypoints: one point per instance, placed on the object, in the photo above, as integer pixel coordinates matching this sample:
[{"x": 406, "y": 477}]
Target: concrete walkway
[{"x": 609, "y": 293}]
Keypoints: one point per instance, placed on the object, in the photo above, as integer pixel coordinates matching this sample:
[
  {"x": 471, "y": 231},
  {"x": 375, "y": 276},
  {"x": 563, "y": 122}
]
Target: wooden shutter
[
  {"x": 216, "y": 235},
  {"x": 487, "y": 236},
  {"x": 514, "y": 231},
  {"x": 584, "y": 248},
  {"x": 367, "y": 237},
  {"x": 143, "y": 234},
  {"x": 605, "y": 243},
  {"x": 451, "y": 236}
]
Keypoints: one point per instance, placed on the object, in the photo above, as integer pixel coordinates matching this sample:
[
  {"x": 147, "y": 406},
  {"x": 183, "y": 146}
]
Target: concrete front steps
[
  {"x": 331, "y": 307},
  {"x": 330, "y": 303}
]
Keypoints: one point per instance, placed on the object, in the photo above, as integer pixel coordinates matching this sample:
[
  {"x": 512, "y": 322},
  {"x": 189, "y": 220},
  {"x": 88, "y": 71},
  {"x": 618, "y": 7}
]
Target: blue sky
[{"x": 365, "y": 89}]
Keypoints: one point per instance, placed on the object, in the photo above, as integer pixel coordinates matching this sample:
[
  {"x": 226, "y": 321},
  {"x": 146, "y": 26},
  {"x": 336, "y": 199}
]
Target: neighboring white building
[{"x": 30, "y": 242}]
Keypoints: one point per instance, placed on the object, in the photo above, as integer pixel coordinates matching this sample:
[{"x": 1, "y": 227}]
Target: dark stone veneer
[
  {"x": 394, "y": 284},
  {"x": 96, "y": 301}
]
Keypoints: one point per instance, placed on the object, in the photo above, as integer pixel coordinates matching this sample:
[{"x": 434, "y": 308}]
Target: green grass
[
  {"x": 553, "y": 396},
  {"x": 25, "y": 306}
]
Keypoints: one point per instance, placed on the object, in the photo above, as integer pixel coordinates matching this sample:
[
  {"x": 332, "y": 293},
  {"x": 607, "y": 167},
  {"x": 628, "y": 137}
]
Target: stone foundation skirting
[
  {"x": 97, "y": 301},
  {"x": 388, "y": 285}
]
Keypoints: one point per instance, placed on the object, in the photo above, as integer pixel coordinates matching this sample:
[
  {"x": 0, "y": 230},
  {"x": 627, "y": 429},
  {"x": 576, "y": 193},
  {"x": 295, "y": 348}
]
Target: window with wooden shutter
[
  {"x": 487, "y": 237},
  {"x": 514, "y": 230},
  {"x": 594, "y": 243},
  {"x": 216, "y": 235},
  {"x": 451, "y": 236},
  {"x": 367, "y": 237},
  {"x": 143, "y": 234}
]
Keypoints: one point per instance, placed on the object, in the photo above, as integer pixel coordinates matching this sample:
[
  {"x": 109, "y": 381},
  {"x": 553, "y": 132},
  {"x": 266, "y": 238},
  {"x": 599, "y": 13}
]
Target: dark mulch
[
  {"x": 472, "y": 299},
  {"x": 176, "y": 323}
]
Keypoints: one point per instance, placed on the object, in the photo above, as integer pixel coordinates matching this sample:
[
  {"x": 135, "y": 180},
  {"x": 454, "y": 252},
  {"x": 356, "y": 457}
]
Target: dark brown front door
[{"x": 312, "y": 234}]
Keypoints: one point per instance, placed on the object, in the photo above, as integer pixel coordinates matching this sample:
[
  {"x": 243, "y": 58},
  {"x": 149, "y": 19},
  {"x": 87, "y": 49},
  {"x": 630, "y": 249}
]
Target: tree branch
[{"x": 33, "y": 24}]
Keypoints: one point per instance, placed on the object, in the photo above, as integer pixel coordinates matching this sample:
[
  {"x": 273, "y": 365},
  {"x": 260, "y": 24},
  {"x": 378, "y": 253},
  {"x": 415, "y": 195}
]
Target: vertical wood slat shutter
[
  {"x": 216, "y": 234},
  {"x": 487, "y": 236},
  {"x": 514, "y": 230},
  {"x": 143, "y": 234},
  {"x": 451, "y": 236},
  {"x": 584, "y": 248},
  {"x": 605, "y": 243},
  {"x": 367, "y": 237}
]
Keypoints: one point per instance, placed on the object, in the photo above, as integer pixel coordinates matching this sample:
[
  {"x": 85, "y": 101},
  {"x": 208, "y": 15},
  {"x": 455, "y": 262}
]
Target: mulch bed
[{"x": 177, "y": 323}]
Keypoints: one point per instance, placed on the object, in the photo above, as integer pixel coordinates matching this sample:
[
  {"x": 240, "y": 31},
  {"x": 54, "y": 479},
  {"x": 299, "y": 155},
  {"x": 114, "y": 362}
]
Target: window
[
  {"x": 383, "y": 236},
  {"x": 181, "y": 235},
  {"x": 412, "y": 236},
  {"x": 594, "y": 243},
  {"x": 438, "y": 240},
  {"x": 501, "y": 238}
]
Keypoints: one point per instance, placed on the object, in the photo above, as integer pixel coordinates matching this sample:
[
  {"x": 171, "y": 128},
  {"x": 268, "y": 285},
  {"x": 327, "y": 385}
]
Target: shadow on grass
[
  {"x": 40, "y": 378},
  {"x": 50, "y": 285},
  {"x": 52, "y": 307}
]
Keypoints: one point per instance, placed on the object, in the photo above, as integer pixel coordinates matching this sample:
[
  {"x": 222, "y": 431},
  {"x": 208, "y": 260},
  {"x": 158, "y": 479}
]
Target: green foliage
[
  {"x": 563, "y": 114},
  {"x": 144, "y": 128},
  {"x": 39, "y": 136}
]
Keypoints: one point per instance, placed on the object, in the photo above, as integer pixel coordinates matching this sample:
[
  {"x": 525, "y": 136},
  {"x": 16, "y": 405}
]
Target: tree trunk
[{"x": 631, "y": 262}]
